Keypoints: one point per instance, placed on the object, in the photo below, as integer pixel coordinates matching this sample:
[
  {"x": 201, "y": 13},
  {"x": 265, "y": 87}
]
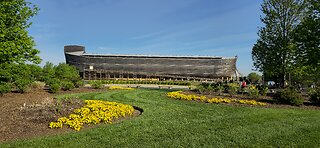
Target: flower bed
[
  {"x": 179, "y": 96},
  {"x": 94, "y": 112},
  {"x": 120, "y": 88}
]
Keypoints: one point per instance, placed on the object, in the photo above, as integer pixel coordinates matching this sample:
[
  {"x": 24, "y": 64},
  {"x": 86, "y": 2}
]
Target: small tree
[
  {"x": 48, "y": 72},
  {"x": 254, "y": 77},
  {"x": 67, "y": 72},
  {"x": 15, "y": 43}
]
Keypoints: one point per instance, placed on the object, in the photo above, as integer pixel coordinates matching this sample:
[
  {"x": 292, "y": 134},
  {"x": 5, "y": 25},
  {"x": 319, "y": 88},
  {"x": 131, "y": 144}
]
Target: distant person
[{"x": 244, "y": 84}]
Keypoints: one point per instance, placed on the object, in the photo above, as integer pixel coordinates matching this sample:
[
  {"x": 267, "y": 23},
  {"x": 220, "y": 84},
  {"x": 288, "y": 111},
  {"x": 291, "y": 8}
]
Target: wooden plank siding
[{"x": 100, "y": 66}]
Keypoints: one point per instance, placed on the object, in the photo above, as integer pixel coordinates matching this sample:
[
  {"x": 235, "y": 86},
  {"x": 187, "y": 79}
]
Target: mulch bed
[{"x": 28, "y": 115}]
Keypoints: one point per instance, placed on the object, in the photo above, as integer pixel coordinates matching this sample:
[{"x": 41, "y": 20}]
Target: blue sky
[{"x": 162, "y": 27}]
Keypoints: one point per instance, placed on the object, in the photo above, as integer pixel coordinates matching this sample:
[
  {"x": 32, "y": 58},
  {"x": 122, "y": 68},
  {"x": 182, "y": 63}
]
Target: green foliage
[
  {"x": 22, "y": 84},
  {"x": 232, "y": 88},
  {"x": 315, "y": 96},
  {"x": 63, "y": 74},
  {"x": 36, "y": 72},
  {"x": 67, "y": 86},
  {"x": 201, "y": 88},
  {"x": 15, "y": 43},
  {"x": 253, "y": 92},
  {"x": 79, "y": 83},
  {"x": 254, "y": 77},
  {"x": 53, "y": 81},
  {"x": 307, "y": 39},
  {"x": 220, "y": 89},
  {"x": 4, "y": 88},
  {"x": 264, "y": 90},
  {"x": 5, "y": 73},
  {"x": 96, "y": 84},
  {"x": 20, "y": 75},
  {"x": 288, "y": 96},
  {"x": 210, "y": 89},
  {"x": 48, "y": 72},
  {"x": 306, "y": 75},
  {"x": 54, "y": 87},
  {"x": 67, "y": 72},
  {"x": 273, "y": 53}
]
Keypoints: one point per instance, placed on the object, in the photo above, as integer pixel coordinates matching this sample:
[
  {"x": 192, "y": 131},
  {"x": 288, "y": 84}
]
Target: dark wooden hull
[{"x": 131, "y": 66}]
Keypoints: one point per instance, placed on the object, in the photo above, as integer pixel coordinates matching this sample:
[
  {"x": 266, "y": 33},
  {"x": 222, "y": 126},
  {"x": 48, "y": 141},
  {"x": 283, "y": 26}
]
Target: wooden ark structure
[{"x": 133, "y": 67}]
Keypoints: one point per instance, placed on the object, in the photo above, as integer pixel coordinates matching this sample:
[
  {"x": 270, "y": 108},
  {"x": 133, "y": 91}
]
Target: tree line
[
  {"x": 288, "y": 48},
  {"x": 18, "y": 55}
]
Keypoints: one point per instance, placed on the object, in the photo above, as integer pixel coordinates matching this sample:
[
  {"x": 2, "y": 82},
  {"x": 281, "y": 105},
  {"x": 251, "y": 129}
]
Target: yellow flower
[
  {"x": 120, "y": 88},
  {"x": 179, "y": 96},
  {"x": 94, "y": 112}
]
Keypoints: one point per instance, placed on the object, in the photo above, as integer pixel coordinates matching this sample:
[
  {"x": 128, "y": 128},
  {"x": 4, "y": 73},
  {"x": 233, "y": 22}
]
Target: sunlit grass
[{"x": 177, "y": 123}]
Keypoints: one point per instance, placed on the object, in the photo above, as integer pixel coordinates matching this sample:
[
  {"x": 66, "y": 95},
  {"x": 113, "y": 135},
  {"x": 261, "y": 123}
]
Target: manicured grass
[{"x": 173, "y": 123}]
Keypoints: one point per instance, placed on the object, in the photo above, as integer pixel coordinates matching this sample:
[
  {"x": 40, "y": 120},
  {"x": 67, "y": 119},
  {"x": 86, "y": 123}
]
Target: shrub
[
  {"x": 219, "y": 89},
  {"x": 288, "y": 96},
  {"x": 96, "y": 84},
  {"x": 22, "y": 85},
  {"x": 54, "y": 87},
  {"x": 315, "y": 96},
  {"x": 67, "y": 86},
  {"x": 209, "y": 88},
  {"x": 264, "y": 90},
  {"x": 79, "y": 83},
  {"x": 36, "y": 72},
  {"x": 232, "y": 88},
  {"x": 201, "y": 89},
  {"x": 66, "y": 72},
  {"x": 4, "y": 88},
  {"x": 253, "y": 92}
]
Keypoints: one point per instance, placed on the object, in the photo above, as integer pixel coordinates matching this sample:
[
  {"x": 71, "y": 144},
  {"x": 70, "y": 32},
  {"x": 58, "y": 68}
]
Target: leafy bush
[
  {"x": 4, "y": 88},
  {"x": 288, "y": 96},
  {"x": 264, "y": 90},
  {"x": 67, "y": 72},
  {"x": 22, "y": 85},
  {"x": 67, "y": 86},
  {"x": 315, "y": 96},
  {"x": 232, "y": 88},
  {"x": 51, "y": 81},
  {"x": 79, "y": 83},
  {"x": 96, "y": 84},
  {"x": 36, "y": 72},
  {"x": 48, "y": 72},
  {"x": 201, "y": 88},
  {"x": 219, "y": 89},
  {"x": 253, "y": 92},
  {"x": 54, "y": 87}
]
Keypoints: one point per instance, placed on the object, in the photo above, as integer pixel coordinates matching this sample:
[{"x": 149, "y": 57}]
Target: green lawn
[{"x": 172, "y": 123}]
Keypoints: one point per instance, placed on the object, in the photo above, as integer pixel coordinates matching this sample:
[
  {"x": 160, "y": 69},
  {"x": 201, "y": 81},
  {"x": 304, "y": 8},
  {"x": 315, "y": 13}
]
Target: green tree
[
  {"x": 15, "y": 43},
  {"x": 307, "y": 39},
  {"x": 48, "y": 72},
  {"x": 273, "y": 52},
  {"x": 254, "y": 77},
  {"x": 67, "y": 72}
]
